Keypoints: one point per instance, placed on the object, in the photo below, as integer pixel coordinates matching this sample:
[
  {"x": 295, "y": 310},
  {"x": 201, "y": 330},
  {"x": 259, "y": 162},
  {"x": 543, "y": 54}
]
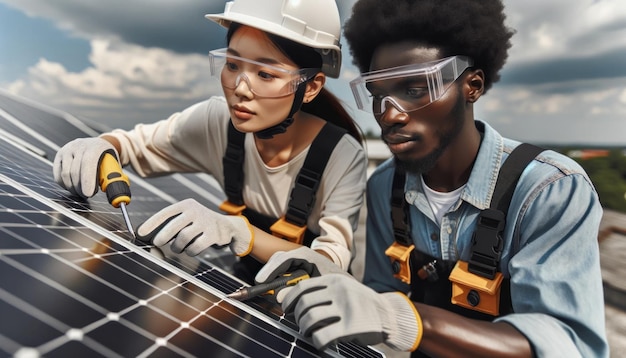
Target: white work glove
[
  {"x": 303, "y": 258},
  {"x": 192, "y": 228},
  {"x": 337, "y": 308},
  {"x": 76, "y": 165}
]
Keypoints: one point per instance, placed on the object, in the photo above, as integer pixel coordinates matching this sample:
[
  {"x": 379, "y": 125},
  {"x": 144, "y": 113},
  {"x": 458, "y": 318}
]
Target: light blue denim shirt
[{"x": 550, "y": 244}]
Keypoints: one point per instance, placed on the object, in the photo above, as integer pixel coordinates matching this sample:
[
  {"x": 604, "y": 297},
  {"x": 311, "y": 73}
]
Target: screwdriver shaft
[{"x": 129, "y": 226}]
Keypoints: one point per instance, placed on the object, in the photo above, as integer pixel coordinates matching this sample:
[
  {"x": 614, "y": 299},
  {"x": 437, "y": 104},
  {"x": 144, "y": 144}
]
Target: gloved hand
[
  {"x": 304, "y": 258},
  {"x": 192, "y": 228},
  {"x": 76, "y": 165},
  {"x": 337, "y": 308}
]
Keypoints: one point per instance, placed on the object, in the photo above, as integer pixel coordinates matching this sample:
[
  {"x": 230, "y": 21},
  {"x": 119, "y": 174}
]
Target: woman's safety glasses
[
  {"x": 407, "y": 88},
  {"x": 262, "y": 79}
]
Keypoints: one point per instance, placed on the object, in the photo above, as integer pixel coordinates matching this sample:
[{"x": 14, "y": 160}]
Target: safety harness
[
  {"x": 293, "y": 225},
  {"x": 476, "y": 288}
]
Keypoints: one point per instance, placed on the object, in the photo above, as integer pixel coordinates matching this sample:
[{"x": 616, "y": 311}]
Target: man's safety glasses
[
  {"x": 262, "y": 79},
  {"x": 407, "y": 88}
]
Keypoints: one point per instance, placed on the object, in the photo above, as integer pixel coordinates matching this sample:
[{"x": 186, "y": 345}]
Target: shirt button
[{"x": 434, "y": 236}]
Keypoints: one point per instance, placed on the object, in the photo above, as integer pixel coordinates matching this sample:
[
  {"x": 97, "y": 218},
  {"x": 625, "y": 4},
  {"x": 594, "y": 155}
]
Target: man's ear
[
  {"x": 314, "y": 86},
  {"x": 475, "y": 85}
]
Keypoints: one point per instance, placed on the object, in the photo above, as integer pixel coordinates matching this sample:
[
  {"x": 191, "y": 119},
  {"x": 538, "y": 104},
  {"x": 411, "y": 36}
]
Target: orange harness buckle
[
  {"x": 475, "y": 292},
  {"x": 231, "y": 208},
  {"x": 400, "y": 255},
  {"x": 288, "y": 231}
]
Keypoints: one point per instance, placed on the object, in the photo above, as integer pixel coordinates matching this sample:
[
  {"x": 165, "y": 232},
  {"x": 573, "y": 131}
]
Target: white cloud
[
  {"x": 565, "y": 28},
  {"x": 129, "y": 80},
  {"x": 592, "y": 111},
  {"x": 125, "y": 81},
  {"x": 177, "y": 25},
  {"x": 622, "y": 96}
]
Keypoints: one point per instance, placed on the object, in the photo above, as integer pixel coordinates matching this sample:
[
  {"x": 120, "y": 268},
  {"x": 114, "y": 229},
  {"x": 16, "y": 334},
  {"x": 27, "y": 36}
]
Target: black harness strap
[
  {"x": 303, "y": 194},
  {"x": 510, "y": 173},
  {"x": 399, "y": 211},
  {"x": 307, "y": 181},
  {"x": 487, "y": 240},
  {"x": 233, "y": 165},
  {"x": 437, "y": 292}
]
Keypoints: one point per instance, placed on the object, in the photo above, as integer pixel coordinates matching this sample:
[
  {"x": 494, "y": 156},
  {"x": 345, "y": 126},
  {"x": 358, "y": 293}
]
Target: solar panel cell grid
[
  {"x": 72, "y": 284},
  {"x": 89, "y": 289}
]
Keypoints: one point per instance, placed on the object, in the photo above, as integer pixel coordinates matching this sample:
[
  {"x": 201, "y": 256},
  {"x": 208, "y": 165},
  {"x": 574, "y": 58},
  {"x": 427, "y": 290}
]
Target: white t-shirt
[
  {"x": 195, "y": 139},
  {"x": 440, "y": 203}
]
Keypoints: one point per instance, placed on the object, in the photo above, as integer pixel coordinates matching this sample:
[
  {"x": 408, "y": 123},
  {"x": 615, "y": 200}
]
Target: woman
[{"x": 273, "y": 74}]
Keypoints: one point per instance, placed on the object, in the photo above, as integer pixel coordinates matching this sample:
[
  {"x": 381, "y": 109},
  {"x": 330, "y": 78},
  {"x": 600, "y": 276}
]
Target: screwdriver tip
[
  {"x": 129, "y": 226},
  {"x": 237, "y": 295}
]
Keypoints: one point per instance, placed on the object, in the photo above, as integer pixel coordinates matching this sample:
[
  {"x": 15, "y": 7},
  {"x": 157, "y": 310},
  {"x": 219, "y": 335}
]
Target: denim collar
[{"x": 485, "y": 171}]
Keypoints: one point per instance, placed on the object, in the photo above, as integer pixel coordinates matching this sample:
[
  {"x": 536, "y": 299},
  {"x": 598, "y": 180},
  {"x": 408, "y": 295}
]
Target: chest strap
[
  {"x": 487, "y": 239},
  {"x": 481, "y": 272},
  {"x": 292, "y": 226},
  {"x": 400, "y": 251},
  {"x": 233, "y": 171}
]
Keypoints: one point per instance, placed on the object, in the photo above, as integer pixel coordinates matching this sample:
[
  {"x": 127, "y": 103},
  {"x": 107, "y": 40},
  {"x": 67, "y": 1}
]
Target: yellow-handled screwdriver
[
  {"x": 268, "y": 288},
  {"x": 116, "y": 185}
]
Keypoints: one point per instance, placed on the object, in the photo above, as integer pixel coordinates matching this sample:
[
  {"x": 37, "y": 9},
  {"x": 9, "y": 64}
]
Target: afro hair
[{"x": 473, "y": 28}]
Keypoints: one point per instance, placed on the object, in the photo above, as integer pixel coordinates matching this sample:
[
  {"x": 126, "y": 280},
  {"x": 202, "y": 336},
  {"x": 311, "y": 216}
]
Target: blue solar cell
[{"x": 72, "y": 282}]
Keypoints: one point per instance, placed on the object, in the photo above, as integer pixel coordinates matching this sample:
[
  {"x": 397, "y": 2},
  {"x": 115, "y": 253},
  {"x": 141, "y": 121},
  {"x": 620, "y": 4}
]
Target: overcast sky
[{"x": 119, "y": 62}]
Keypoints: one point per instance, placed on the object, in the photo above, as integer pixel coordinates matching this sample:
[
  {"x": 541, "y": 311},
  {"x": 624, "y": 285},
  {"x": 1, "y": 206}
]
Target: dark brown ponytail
[{"x": 327, "y": 106}]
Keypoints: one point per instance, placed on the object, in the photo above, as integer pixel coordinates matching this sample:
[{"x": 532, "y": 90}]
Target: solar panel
[
  {"x": 73, "y": 284},
  {"x": 44, "y": 130},
  {"x": 47, "y": 130}
]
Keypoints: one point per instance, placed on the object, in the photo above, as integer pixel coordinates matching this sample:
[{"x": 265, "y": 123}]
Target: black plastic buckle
[
  {"x": 487, "y": 243},
  {"x": 302, "y": 197}
]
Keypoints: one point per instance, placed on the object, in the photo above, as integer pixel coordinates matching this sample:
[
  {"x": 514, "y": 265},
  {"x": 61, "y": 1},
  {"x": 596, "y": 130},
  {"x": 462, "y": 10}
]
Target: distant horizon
[{"x": 103, "y": 127}]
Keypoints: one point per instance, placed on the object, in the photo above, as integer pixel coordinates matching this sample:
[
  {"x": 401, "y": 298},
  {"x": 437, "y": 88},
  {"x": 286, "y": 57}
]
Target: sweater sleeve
[
  {"x": 189, "y": 141},
  {"x": 340, "y": 199}
]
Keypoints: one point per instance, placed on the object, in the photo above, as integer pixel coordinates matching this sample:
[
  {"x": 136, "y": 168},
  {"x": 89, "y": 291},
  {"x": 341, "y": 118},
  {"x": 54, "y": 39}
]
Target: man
[{"x": 423, "y": 65}]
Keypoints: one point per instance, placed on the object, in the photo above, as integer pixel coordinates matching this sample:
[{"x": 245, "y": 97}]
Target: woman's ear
[
  {"x": 314, "y": 86},
  {"x": 475, "y": 84}
]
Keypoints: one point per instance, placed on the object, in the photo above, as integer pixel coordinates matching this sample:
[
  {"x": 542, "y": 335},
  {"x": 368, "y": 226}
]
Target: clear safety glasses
[
  {"x": 263, "y": 80},
  {"x": 407, "y": 88}
]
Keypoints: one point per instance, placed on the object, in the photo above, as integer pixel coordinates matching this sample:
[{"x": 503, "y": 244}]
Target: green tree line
[{"x": 608, "y": 174}]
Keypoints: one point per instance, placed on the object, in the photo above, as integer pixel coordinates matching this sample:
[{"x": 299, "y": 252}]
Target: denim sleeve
[{"x": 556, "y": 282}]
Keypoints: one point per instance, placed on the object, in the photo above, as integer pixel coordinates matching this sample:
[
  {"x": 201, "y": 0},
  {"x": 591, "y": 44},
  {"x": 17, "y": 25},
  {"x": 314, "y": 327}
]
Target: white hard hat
[{"x": 314, "y": 23}]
